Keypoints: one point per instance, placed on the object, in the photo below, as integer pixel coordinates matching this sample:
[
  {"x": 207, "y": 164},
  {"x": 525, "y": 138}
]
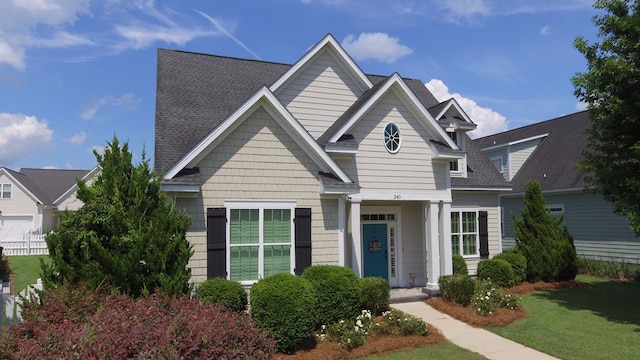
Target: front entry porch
[{"x": 407, "y": 243}]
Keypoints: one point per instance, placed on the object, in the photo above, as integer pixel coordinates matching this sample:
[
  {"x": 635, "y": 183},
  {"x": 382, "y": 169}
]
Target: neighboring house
[
  {"x": 30, "y": 199},
  {"x": 283, "y": 166},
  {"x": 547, "y": 152}
]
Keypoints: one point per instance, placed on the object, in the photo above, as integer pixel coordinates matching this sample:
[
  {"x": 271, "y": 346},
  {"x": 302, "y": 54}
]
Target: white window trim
[
  {"x": 384, "y": 140},
  {"x": 502, "y": 167},
  {"x": 477, "y": 232},
  {"x": 555, "y": 206},
  {"x": 261, "y": 206},
  {"x": 2, "y": 186}
]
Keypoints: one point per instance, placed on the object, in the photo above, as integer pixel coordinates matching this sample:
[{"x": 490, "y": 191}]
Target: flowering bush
[
  {"x": 397, "y": 323},
  {"x": 349, "y": 334},
  {"x": 489, "y": 297}
]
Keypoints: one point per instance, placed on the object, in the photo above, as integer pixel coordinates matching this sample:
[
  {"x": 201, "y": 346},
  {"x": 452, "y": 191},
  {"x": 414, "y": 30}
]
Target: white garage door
[{"x": 12, "y": 227}]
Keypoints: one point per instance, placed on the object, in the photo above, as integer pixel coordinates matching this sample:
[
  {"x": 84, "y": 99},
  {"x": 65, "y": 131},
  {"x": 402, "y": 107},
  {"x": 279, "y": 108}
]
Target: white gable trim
[
  {"x": 498, "y": 146},
  {"x": 74, "y": 188},
  {"x": 280, "y": 114},
  {"x": 453, "y": 103},
  {"x": 4, "y": 171},
  {"x": 395, "y": 79},
  {"x": 331, "y": 42}
]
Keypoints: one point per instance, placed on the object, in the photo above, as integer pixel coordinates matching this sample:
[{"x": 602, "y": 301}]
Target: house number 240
[{"x": 397, "y": 197}]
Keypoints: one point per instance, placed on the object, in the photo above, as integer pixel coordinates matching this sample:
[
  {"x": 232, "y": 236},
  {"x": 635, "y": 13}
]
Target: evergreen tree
[
  {"x": 544, "y": 240},
  {"x": 126, "y": 235}
]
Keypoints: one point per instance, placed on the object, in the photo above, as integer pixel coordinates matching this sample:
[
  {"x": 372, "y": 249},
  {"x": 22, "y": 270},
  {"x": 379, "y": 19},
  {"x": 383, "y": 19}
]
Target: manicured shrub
[
  {"x": 457, "y": 288},
  {"x": 499, "y": 271},
  {"x": 286, "y": 305},
  {"x": 154, "y": 327},
  {"x": 459, "y": 265},
  {"x": 338, "y": 290},
  {"x": 518, "y": 264},
  {"x": 374, "y": 294},
  {"x": 230, "y": 294},
  {"x": 544, "y": 240}
]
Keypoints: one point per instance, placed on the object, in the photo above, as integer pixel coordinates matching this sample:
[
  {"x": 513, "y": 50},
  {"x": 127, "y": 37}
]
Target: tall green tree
[
  {"x": 125, "y": 235},
  {"x": 544, "y": 240},
  {"x": 611, "y": 89}
]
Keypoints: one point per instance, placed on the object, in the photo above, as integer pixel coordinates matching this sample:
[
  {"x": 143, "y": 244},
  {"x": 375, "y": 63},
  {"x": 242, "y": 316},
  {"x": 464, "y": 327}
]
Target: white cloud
[
  {"x": 581, "y": 105},
  {"x": 22, "y": 136},
  {"x": 126, "y": 100},
  {"x": 97, "y": 148},
  {"x": 145, "y": 35},
  {"x": 19, "y": 22},
  {"x": 546, "y": 30},
  {"x": 377, "y": 46},
  {"x": 78, "y": 138},
  {"x": 464, "y": 9},
  {"x": 488, "y": 121}
]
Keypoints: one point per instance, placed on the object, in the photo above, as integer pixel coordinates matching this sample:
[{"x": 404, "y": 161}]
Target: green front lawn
[
  {"x": 27, "y": 269},
  {"x": 601, "y": 321}
]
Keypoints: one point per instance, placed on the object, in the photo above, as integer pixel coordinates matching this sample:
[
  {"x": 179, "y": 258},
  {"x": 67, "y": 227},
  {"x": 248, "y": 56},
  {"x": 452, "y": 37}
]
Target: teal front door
[{"x": 374, "y": 250}]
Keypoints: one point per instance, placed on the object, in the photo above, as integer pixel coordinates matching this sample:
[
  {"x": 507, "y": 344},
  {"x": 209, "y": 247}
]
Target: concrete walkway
[{"x": 477, "y": 340}]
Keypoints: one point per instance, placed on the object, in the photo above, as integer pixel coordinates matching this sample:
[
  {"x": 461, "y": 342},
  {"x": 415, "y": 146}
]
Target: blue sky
[{"x": 74, "y": 73}]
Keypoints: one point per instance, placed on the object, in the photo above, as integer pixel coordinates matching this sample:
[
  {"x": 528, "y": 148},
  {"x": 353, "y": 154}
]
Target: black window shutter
[
  {"x": 302, "y": 239},
  {"x": 483, "y": 232},
  {"x": 216, "y": 242}
]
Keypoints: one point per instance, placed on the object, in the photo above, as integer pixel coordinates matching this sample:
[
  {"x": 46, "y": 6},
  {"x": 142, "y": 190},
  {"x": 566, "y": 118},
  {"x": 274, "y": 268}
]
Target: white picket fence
[
  {"x": 28, "y": 244},
  {"x": 12, "y": 305}
]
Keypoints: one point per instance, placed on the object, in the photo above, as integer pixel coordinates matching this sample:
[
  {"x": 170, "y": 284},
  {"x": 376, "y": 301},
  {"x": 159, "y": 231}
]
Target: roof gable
[
  {"x": 328, "y": 43},
  {"x": 45, "y": 186},
  {"x": 552, "y": 163},
  {"x": 371, "y": 98},
  {"x": 451, "y": 112},
  {"x": 263, "y": 97}
]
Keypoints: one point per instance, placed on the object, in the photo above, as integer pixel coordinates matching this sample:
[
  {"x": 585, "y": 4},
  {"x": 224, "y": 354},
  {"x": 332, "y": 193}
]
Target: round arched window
[{"x": 392, "y": 138}]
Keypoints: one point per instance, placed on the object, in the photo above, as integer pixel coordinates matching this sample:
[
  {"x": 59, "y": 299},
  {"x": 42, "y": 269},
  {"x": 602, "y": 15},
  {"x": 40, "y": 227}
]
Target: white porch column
[
  {"x": 433, "y": 245},
  {"x": 446, "y": 260},
  {"x": 341, "y": 230},
  {"x": 356, "y": 240}
]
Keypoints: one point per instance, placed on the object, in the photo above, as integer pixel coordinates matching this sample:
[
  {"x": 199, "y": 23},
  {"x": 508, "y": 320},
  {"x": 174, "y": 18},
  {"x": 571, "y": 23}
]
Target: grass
[
  {"x": 601, "y": 321},
  {"x": 446, "y": 351},
  {"x": 27, "y": 269}
]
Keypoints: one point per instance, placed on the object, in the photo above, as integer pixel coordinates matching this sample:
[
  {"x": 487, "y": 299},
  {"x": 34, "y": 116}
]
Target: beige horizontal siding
[
  {"x": 259, "y": 161},
  {"x": 320, "y": 93},
  {"x": 410, "y": 169}
]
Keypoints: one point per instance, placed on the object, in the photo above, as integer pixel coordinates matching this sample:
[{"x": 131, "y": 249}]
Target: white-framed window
[
  {"x": 464, "y": 232},
  {"x": 5, "y": 191},
  {"x": 260, "y": 240},
  {"x": 454, "y": 136},
  {"x": 454, "y": 165},
  {"x": 555, "y": 209},
  {"x": 392, "y": 139},
  {"x": 497, "y": 162}
]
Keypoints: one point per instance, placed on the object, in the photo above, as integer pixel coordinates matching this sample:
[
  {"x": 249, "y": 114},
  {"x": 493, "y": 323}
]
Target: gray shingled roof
[
  {"x": 196, "y": 92},
  {"x": 480, "y": 172},
  {"x": 552, "y": 164},
  {"x": 47, "y": 184}
]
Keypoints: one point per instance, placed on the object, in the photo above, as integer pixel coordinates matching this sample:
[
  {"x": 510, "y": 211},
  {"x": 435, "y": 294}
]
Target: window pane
[
  {"x": 6, "y": 191},
  {"x": 277, "y": 259},
  {"x": 455, "y": 244},
  {"x": 453, "y": 166},
  {"x": 469, "y": 244},
  {"x": 244, "y": 226},
  {"x": 277, "y": 226},
  {"x": 244, "y": 263},
  {"x": 455, "y": 222},
  {"x": 468, "y": 222}
]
